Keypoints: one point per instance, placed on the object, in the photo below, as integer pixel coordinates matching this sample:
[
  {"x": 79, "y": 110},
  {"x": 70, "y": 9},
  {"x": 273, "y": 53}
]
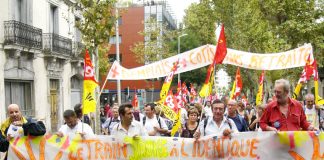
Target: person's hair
[
  {"x": 121, "y": 109},
  {"x": 198, "y": 106},
  {"x": 218, "y": 101},
  {"x": 193, "y": 111},
  {"x": 78, "y": 110},
  {"x": 285, "y": 84},
  {"x": 262, "y": 106},
  {"x": 240, "y": 104},
  {"x": 69, "y": 113},
  {"x": 309, "y": 95},
  {"x": 152, "y": 105}
]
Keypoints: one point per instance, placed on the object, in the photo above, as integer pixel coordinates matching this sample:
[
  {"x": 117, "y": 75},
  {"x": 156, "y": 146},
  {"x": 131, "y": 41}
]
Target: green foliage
[
  {"x": 96, "y": 27},
  {"x": 97, "y": 22}
]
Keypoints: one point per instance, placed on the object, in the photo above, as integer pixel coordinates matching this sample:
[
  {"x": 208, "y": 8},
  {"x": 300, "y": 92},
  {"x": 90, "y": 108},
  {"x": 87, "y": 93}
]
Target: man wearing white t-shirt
[
  {"x": 153, "y": 124},
  {"x": 311, "y": 112},
  {"x": 74, "y": 126}
]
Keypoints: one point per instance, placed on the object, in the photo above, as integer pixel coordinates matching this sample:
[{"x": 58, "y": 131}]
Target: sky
[{"x": 179, "y": 6}]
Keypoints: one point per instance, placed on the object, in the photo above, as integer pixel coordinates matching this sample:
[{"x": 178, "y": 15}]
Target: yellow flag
[
  {"x": 89, "y": 101},
  {"x": 176, "y": 124},
  {"x": 297, "y": 91},
  {"x": 233, "y": 90},
  {"x": 258, "y": 99},
  {"x": 259, "y": 96},
  {"x": 204, "y": 92},
  {"x": 318, "y": 99}
]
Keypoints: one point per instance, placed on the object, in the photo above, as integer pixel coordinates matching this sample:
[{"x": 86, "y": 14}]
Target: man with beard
[{"x": 284, "y": 113}]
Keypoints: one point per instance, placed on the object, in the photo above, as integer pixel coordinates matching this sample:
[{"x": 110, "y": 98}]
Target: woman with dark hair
[{"x": 191, "y": 125}]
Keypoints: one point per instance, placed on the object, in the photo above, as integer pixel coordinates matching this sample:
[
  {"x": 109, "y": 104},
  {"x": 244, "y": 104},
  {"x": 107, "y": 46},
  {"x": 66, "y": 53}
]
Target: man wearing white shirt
[
  {"x": 218, "y": 124},
  {"x": 207, "y": 109},
  {"x": 111, "y": 122},
  {"x": 74, "y": 126},
  {"x": 128, "y": 126},
  {"x": 313, "y": 114},
  {"x": 153, "y": 124}
]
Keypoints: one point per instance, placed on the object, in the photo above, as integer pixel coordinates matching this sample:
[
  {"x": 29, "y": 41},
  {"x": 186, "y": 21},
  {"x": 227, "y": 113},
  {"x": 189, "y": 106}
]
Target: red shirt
[{"x": 295, "y": 121}]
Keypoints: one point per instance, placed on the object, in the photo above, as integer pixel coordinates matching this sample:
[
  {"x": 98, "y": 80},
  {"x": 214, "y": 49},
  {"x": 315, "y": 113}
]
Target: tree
[
  {"x": 96, "y": 26},
  {"x": 262, "y": 27}
]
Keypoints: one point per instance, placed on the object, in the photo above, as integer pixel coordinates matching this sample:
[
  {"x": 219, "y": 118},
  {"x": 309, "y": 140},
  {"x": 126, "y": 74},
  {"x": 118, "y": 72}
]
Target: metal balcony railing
[
  {"x": 54, "y": 43},
  {"x": 19, "y": 33},
  {"x": 78, "y": 48}
]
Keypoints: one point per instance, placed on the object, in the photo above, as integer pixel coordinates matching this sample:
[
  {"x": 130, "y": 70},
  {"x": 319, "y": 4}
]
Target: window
[
  {"x": 77, "y": 31},
  {"x": 53, "y": 20},
  {"x": 112, "y": 40},
  {"x": 120, "y": 22},
  {"x": 20, "y": 92},
  {"x": 21, "y": 10},
  {"x": 113, "y": 57}
]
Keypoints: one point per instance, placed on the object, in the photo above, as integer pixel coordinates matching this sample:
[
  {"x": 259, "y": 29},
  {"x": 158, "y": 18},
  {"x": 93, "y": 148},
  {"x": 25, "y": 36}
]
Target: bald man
[{"x": 16, "y": 125}]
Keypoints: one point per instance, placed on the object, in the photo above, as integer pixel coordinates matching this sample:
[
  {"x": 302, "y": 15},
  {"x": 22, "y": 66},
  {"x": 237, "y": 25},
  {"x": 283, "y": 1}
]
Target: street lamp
[{"x": 179, "y": 49}]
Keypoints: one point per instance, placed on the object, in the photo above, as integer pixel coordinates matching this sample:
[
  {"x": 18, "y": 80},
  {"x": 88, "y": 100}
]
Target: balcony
[
  {"x": 55, "y": 44},
  {"x": 78, "y": 49},
  {"x": 17, "y": 33}
]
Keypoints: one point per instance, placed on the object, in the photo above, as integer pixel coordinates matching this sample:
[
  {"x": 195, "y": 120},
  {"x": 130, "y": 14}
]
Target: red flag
[
  {"x": 135, "y": 100},
  {"x": 221, "y": 49},
  {"x": 309, "y": 68}
]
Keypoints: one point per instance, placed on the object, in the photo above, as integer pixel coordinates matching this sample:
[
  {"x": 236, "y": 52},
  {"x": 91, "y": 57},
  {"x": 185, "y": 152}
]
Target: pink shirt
[{"x": 295, "y": 121}]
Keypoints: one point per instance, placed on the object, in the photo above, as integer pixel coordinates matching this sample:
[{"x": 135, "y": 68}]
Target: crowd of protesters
[{"x": 226, "y": 116}]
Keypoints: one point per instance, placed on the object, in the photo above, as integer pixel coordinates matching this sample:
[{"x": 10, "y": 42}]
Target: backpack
[
  {"x": 206, "y": 120},
  {"x": 136, "y": 115},
  {"x": 111, "y": 119},
  {"x": 34, "y": 128},
  {"x": 157, "y": 117}
]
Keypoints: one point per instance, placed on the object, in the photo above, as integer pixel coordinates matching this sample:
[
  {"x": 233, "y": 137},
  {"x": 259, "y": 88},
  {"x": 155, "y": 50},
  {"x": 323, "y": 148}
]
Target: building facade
[
  {"x": 130, "y": 24},
  {"x": 40, "y": 68}
]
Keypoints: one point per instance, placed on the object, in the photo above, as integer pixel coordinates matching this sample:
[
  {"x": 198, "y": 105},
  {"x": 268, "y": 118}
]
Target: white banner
[
  {"x": 246, "y": 145},
  {"x": 203, "y": 56}
]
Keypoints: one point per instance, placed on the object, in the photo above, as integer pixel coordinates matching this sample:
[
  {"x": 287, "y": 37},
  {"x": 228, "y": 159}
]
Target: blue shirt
[{"x": 240, "y": 123}]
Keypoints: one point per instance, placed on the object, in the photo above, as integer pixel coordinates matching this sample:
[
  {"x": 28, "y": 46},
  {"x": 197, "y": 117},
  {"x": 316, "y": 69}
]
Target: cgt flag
[
  {"x": 89, "y": 86},
  {"x": 220, "y": 55}
]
